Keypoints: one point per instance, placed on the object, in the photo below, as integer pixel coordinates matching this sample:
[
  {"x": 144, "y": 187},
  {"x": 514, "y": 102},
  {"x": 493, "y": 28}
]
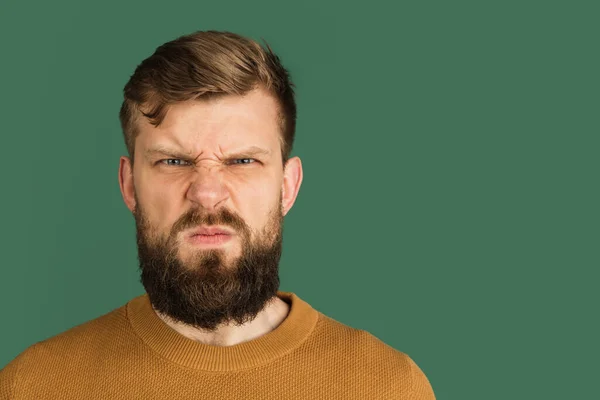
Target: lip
[
  {"x": 209, "y": 240},
  {"x": 210, "y": 231}
]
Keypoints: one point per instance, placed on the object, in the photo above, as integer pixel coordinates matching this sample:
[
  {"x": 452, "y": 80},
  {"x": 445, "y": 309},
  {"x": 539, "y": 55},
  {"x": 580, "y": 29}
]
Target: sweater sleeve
[{"x": 421, "y": 388}]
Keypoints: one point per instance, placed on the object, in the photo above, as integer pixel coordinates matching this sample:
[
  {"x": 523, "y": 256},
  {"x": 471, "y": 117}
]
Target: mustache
[{"x": 195, "y": 217}]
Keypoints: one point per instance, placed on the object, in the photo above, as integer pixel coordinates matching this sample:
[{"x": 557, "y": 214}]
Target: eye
[
  {"x": 179, "y": 161},
  {"x": 244, "y": 161}
]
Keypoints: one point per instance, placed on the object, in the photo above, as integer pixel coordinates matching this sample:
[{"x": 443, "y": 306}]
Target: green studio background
[{"x": 450, "y": 194}]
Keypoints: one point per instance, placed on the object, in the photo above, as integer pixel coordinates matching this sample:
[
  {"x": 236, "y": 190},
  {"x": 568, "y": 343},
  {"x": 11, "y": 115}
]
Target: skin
[{"x": 209, "y": 169}]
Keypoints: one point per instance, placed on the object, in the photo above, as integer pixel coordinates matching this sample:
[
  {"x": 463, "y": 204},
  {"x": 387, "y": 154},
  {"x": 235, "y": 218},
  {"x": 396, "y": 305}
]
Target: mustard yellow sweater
[{"x": 130, "y": 353}]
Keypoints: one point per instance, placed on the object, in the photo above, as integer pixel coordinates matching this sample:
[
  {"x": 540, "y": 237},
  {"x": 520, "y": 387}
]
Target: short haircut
[{"x": 205, "y": 65}]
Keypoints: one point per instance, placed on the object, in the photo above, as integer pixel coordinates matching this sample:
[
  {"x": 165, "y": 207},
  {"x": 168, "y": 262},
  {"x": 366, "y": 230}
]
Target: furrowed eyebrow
[
  {"x": 247, "y": 152},
  {"x": 250, "y": 151},
  {"x": 163, "y": 151}
]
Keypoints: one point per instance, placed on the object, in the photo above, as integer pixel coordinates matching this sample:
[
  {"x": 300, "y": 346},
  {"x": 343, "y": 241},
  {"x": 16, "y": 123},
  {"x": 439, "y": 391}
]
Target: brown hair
[{"x": 205, "y": 65}]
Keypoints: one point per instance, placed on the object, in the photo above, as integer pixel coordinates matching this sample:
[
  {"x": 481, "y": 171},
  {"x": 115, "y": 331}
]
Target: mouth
[
  {"x": 210, "y": 240},
  {"x": 207, "y": 231}
]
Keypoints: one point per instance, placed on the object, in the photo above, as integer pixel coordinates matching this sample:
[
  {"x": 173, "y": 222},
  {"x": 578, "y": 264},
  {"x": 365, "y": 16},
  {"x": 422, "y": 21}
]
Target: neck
[{"x": 269, "y": 318}]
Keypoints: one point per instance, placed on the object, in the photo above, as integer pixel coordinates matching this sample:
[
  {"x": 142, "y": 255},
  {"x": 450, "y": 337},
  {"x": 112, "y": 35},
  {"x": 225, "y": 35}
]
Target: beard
[{"x": 207, "y": 291}]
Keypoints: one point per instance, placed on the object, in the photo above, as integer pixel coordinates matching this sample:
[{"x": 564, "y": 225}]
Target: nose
[{"x": 208, "y": 189}]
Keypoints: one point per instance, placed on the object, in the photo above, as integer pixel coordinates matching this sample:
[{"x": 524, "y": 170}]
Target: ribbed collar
[{"x": 164, "y": 340}]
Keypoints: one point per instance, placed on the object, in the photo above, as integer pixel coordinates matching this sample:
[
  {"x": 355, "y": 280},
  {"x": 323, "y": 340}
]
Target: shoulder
[
  {"x": 364, "y": 353},
  {"x": 358, "y": 343},
  {"x": 73, "y": 347},
  {"x": 88, "y": 335}
]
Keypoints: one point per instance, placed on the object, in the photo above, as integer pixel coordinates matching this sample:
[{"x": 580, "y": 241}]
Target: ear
[
  {"x": 126, "y": 182},
  {"x": 292, "y": 179}
]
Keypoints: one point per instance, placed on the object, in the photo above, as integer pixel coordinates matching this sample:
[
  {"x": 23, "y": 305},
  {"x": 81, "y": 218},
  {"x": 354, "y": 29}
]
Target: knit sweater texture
[{"x": 130, "y": 353}]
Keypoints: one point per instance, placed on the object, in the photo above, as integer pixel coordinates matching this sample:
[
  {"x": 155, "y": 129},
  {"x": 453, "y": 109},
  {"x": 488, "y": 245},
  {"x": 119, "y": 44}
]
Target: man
[{"x": 209, "y": 123}]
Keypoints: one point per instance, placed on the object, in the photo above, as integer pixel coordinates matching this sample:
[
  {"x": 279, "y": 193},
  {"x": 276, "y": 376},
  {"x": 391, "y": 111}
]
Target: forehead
[{"x": 222, "y": 123}]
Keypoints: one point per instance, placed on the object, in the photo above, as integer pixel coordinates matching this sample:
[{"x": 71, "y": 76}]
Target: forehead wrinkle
[{"x": 183, "y": 136}]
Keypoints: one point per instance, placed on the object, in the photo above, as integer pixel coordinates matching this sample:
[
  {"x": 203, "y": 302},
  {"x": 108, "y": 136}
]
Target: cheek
[
  {"x": 256, "y": 204},
  {"x": 160, "y": 205}
]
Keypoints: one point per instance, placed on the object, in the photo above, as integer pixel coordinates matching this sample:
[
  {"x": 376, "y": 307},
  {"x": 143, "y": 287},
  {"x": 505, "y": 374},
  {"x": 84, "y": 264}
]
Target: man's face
[{"x": 210, "y": 164}]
